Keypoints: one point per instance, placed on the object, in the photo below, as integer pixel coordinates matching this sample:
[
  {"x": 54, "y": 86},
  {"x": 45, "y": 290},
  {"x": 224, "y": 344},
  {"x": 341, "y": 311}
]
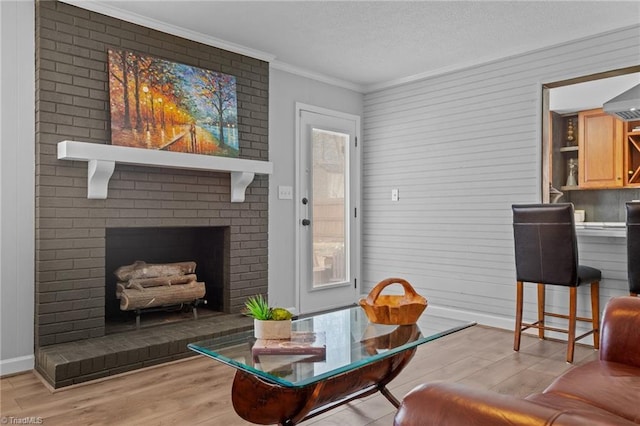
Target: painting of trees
[
  {"x": 217, "y": 95},
  {"x": 159, "y": 104}
]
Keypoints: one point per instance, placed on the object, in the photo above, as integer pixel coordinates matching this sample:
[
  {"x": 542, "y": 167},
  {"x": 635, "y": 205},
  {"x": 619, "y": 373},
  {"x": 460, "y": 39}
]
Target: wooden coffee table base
[{"x": 266, "y": 403}]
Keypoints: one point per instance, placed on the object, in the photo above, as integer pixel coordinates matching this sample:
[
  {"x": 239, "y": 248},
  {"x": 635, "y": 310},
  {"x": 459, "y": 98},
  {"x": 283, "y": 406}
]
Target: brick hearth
[{"x": 83, "y": 360}]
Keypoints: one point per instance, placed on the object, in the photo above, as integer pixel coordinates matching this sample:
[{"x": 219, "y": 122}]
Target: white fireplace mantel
[{"x": 102, "y": 161}]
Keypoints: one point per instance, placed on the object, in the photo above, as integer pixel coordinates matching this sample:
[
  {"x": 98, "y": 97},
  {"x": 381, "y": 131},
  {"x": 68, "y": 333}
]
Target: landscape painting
[{"x": 164, "y": 105}]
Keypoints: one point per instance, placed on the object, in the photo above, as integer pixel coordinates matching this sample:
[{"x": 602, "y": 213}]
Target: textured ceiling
[{"x": 370, "y": 44}]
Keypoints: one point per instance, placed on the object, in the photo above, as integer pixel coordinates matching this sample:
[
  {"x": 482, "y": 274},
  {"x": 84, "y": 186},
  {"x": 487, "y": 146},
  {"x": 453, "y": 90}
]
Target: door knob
[
  {"x": 306, "y": 222},
  {"x": 305, "y": 201}
]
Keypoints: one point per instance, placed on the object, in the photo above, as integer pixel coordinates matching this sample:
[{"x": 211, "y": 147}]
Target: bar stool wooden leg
[
  {"x": 595, "y": 313},
  {"x": 518, "y": 330},
  {"x": 571, "y": 339},
  {"x": 541, "y": 305}
]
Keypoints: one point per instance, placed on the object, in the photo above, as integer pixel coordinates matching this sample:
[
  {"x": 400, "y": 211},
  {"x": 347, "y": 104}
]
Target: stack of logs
[{"x": 143, "y": 285}]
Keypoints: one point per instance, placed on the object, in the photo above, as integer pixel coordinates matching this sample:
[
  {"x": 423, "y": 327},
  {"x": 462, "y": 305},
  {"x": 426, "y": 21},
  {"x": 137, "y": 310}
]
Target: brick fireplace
[{"x": 72, "y": 103}]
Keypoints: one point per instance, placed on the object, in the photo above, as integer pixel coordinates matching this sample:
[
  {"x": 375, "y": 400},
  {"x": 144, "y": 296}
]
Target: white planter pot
[{"x": 272, "y": 329}]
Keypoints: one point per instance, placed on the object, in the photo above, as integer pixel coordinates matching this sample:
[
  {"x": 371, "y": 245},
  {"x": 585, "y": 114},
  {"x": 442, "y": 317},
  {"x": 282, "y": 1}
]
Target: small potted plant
[{"x": 268, "y": 322}]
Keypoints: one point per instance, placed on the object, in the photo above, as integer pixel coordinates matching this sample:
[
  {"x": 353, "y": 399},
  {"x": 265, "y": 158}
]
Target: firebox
[{"x": 208, "y": 247}]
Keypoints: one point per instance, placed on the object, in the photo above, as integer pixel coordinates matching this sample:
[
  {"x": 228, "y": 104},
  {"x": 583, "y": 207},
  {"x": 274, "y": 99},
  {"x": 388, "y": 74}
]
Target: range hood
[{"x": 625, "y": 106}]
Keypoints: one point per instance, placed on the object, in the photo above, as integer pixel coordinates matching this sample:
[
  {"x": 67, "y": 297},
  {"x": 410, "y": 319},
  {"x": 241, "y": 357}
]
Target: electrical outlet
[
  {"x": 285, "y": 192},
  {"x": 395, "y": 194}
]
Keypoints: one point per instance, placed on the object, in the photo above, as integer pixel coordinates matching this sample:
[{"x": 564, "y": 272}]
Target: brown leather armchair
[{"x": 603, "y": 392}]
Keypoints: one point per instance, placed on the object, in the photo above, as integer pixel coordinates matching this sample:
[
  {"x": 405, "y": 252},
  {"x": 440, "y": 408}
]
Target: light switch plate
[
  {"x": 395, "y": 194},
  {"x": 285, "y": 192}
]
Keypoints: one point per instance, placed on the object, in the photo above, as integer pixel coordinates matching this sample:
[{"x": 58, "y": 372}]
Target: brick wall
[{"x": 72, "y": 103}]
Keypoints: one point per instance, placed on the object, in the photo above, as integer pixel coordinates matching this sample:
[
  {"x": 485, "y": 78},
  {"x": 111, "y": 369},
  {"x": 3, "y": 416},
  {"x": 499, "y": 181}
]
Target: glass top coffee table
[{"x": 360, "y": 358}]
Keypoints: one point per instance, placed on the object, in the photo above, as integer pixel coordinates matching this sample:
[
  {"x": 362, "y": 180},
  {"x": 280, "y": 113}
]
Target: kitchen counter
[
  {"x": 603, "y": 245},
  {"x": 601, "y": 229}
]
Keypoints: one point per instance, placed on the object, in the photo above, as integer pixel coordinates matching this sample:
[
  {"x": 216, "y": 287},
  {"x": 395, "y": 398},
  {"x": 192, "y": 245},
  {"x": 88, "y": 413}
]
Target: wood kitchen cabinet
[
  {"x": 600, "y": 150},
  {"x": 564, "y": 136},
  {"x": 632, "y": 153}
]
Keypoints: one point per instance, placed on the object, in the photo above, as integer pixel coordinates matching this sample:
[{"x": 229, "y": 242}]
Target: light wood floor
[{"x": 197, "y": 391}]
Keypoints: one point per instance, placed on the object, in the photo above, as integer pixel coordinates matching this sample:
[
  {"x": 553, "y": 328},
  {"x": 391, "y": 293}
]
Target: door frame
[{"x": 355, "y": 177}]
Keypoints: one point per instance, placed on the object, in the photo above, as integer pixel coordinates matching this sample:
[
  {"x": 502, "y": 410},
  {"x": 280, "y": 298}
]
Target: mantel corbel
[
  {"x": 98, "y": 174},
  {"x": 102, "y": 160}
]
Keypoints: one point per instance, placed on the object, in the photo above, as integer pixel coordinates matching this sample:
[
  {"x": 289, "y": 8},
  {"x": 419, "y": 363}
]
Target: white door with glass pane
[{"x": 327, "y": 190}]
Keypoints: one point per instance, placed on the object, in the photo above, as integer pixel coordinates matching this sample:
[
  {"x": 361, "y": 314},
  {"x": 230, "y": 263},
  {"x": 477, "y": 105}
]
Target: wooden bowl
[{"x": 393, "y": 309}]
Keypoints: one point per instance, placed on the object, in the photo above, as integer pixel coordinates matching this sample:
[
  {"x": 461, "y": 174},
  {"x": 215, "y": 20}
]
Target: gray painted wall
[
  {"x": 461, "y": 148},
  {"x": 285, "y": 89},
  {"x": 17, "y": 165}
]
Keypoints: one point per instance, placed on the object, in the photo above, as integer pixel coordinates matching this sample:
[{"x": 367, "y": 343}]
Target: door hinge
[
  {"x": 355, "y": 212},
  {"x": 355, "y": 283},
  {"x": 356, "y": 141}
]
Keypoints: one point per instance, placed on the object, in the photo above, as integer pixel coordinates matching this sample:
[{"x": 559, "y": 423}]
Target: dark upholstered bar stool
[
  {"x": 633, "y": 247},
  {"x": 547, "y": 254}
]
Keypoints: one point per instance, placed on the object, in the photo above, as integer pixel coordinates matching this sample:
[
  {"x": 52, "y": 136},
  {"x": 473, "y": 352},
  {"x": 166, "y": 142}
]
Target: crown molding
[
  {"x": 323, "y": 78},
  {"x": 110, "y": 10},
  {"x": 486, "y": 61}
]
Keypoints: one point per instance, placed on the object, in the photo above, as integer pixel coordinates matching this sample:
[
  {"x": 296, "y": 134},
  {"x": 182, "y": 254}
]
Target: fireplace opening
[{"x": 207, "y": 247}]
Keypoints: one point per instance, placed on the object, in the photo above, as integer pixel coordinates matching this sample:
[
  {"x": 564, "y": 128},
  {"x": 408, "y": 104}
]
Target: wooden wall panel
[{"x": 462, "y": 148}]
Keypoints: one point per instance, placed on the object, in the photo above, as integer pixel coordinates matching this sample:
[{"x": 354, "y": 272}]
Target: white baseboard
[
  {"x": 480, "y": 318},
  {"x": 507, "y": 323},
  {"x": 16, "y": 365}
]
